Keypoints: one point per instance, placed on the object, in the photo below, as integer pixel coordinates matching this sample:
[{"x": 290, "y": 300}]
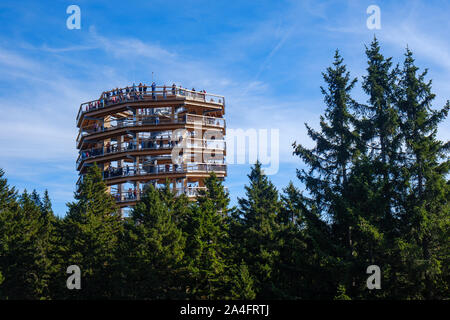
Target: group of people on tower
[{"x": 137, "y": 92}]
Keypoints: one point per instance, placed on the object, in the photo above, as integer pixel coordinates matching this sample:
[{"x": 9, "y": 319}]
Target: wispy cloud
[
  {"x": 15, "y": 61},
  {"x": 67, "y": 49},
  {"x": 291, "y": 42},
  {"x": 423, "y": 44}
]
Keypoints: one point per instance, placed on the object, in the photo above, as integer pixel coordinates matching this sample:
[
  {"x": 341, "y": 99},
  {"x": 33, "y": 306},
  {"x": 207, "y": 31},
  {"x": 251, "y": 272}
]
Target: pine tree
[
  {"x": 7, "y": 194},
  {"x": 178, "y": 205},
  {"x": 25, "y": 262},
  {"x": 46, "y": 207},
  {"x": 370, "y": 244},
  {"x": 380, "y": 127},
  {"x": 337, "y": 145},
  {"x": 242, "y": 284},
  {"x": 36, "y": 198},
  {"x": 216, "y": 193},
  {"x": 374, "y": 187},
  {"x": 51, "y": 242},
  {"x": 425, "y": 226},
  {"x": 154, "y": 250},
  {"x": 256, "y": 232},
  {"x": 90, "y": 233},
  {"x": 208, "y": 244},
  {"x": 294, "y": 260},
  {"x": 293, "y": 206}
]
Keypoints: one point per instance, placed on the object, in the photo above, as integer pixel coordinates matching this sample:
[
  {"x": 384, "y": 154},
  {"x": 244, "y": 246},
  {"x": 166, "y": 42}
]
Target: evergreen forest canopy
[{"x": 376, "y": 193}]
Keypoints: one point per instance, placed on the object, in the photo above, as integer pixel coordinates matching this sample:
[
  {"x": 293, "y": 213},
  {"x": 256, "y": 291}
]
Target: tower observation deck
[{"x": 143, "y": 135}]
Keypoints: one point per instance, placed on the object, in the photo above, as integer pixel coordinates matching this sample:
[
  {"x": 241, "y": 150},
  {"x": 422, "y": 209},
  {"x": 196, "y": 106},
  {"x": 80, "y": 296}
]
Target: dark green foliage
[
  {"x": 257, "y": 232},
  {"x": 89, "y": 237},
  {"x": 7, "y": 194},
  {"x": 327, "y": 180},
  {"x": 25, "y": 260},
  {"x": 215, "y": 193},
  {"x": 242, "y": 283},
  {"x": 296, "y": 263},
  {"x": 384, "y": 200},
  {"x": 208, "y": 245},
  {"x": 376, "y": 192},
  {"x": 153, "y": 250},
  {"x": 424, "y": 221}
]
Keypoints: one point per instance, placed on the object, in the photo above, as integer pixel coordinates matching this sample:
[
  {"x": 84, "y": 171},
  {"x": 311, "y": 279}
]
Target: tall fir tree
[
  {"x": 294, "y": 257},
  {"x": 380, "y": 127},
  {"x": 337, "y": 145},
  {"x": 215, "y": 192},
  {"x": 8, "y": 194},
  {"x": 46, "y": 206},
  {"x": 425, "y": 225},
  {"x": 8, "y": 208},
  {"x": 90, "y": 233},
  {"x": 208, "y": 244},
  {"x": 256, "y": 232},
  {"x": 177, "y": 204},
  {"x": 374, "y": 189},
  {"x": 154, "y": 250},
  {"x": 25, "y": 262}
]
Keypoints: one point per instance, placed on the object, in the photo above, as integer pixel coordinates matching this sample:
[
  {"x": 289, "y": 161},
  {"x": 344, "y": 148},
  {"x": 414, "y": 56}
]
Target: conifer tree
[
  {"x": 294, "y": 261},
  {"x": 374, "y": 189},
  {"x": 178, "y": 205},
  {"x": 216, "y": 193},
  {"x": 154, "y": 250},
  {"x": 337, "y": 145},
  {"x": 25, "y": 261},
  {"x": 242, "y": 283},
  {"x": 46, "y": 207},
  {"x": 208, "y": 244},
  {"x": 24, "y": 246},
  {"x": 36, "y": 198},
  {"x": 380, "y": 131},
  {"x": 7, "y": 194},
  {"x": 424, "y": 222},
  {"x": 293, "y": 206},
  {"x": 90, "y": 233},
  {"x": 256, "y": 232}
]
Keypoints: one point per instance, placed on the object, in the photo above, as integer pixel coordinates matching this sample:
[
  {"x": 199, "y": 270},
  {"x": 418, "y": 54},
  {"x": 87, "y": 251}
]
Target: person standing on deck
[
  {"x": 153, "y": 90},
  {"x": 174, "y": 89}
]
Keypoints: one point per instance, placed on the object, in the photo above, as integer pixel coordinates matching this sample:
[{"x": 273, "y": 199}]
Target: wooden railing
[
  {"x": 144, "y": 170},
  {"x": 136, "y": 93},
  {"x": 131, "y": 195},
  {"x": 151, "y": 120},
  {"x": 164, "y": 142}
]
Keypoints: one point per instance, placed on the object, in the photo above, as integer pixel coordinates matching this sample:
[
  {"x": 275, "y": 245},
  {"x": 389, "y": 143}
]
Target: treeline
[{"x": 376, "y": 193}]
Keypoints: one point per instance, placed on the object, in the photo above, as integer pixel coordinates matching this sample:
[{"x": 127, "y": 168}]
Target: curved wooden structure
[{"x": 144, "y": 135}]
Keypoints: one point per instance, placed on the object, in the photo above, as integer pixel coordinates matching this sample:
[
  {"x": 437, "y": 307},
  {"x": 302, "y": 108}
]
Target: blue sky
[{"x": 265, "y": 57}]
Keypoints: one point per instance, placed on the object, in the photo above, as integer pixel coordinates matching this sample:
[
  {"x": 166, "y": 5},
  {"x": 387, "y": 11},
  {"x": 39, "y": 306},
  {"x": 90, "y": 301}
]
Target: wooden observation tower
[{"x": 143, "y": 135}]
